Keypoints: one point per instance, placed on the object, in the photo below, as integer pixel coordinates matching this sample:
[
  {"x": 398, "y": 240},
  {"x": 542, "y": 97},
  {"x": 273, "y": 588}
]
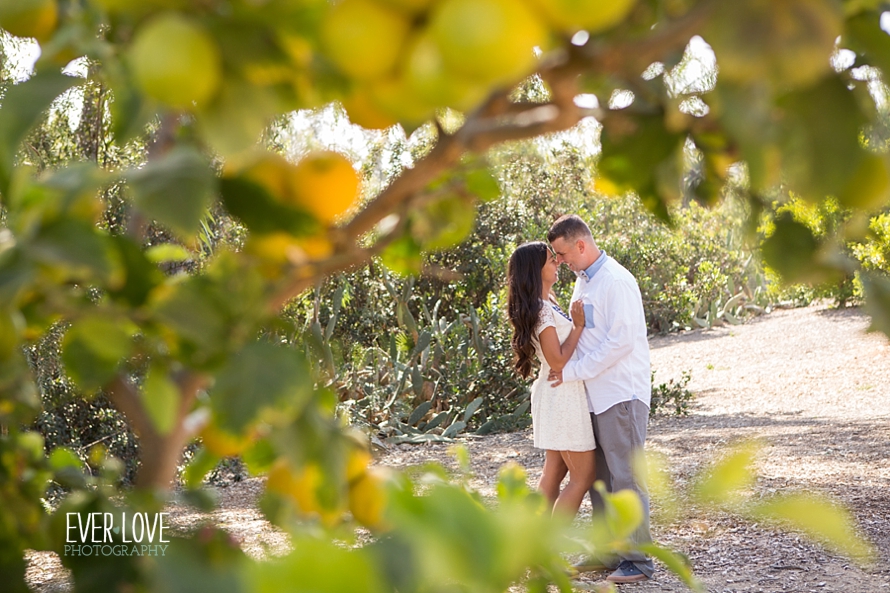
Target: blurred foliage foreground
[{"x": 187, "y": 89}]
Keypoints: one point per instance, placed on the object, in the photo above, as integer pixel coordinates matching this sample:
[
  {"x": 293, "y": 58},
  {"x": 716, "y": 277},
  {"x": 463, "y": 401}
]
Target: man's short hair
[{"x": 569, "y": 228}]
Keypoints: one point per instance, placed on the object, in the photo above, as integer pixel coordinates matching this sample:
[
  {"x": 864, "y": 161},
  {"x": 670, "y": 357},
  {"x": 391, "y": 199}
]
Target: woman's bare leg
[
  {"x": 581, "y": 468},
  {"x": 551, "y": 477}
]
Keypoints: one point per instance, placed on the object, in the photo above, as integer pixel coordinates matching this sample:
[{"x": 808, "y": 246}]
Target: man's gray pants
[{"x": 620, "y": 433}]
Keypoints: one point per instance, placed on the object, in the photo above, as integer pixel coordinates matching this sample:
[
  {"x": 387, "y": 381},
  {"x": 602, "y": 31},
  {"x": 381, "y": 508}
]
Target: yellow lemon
[
  {"x": 223, "y": 443},
  {"x": 29, "y": 18},
  {"x": 175, "y": 61},
  {"x": 487, "y": 40},
  {"x": 300, "y": 487},
  {"x": 368, "y": 499},
  {"x": 314, "y": 247},
  {"x": 325, "y": 184},
  {"x": 570, "y": 16},
  {"x": 362, "y": 112},
  {"x": 409, "y": 6},
  {"x": 363, "y": 38},
  {"x": 428, "y": 78},
  {"x": 394, "y": 98},
  {"x": 272, "y": 172},
  {"x": 357, "y": 464}
]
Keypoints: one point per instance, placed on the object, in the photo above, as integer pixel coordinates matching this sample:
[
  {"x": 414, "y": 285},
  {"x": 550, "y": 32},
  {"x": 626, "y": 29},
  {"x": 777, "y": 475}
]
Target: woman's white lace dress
[{"x": 560, "y": 418}]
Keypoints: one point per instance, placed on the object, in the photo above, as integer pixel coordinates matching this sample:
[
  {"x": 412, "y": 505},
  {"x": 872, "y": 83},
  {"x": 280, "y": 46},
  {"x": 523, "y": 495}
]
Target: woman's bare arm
[{"x": 556, "y": 354}]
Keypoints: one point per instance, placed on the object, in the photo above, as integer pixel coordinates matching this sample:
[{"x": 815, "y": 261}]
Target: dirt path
[{"x": 808, "y": 382}]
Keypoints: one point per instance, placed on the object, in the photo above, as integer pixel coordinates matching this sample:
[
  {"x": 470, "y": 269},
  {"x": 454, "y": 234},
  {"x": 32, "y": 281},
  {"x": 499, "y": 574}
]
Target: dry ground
[{"x": 808, "y": 382}]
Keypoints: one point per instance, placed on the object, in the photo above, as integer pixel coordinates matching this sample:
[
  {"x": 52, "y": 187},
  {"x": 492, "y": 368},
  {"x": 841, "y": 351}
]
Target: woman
[{"x": 560, "y": 417}]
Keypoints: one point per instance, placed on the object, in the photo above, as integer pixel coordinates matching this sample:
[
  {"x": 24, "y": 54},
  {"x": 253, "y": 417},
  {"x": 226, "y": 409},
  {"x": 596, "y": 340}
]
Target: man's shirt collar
[{"x": 588, "y": 274}]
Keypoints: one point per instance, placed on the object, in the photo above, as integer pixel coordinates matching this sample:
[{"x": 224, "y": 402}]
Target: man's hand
[{"x": 555, "y": 376}]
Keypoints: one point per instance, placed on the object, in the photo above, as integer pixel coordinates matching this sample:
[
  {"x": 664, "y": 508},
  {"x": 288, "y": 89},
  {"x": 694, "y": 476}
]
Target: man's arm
[{"x": 620, "y": 308}]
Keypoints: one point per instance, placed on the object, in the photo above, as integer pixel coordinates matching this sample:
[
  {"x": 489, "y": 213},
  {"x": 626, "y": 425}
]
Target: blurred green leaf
[
  {"x": 167, "y": 252},
  {"x": 175, "y": 190},
  {"x": 403, "y": 256},
  {"x": 316, "y": 566},
  {"x": 723, "y": 481},
  {"x": 633, "y": 150},
  {"x": 141, "y": 276},
  {"x": 78, "y": 249},
  {"x": 821, "y": 152},
  {"x": 443, "y": 222},
  {"x": 512, "y": 483},
  {"x": 22, "y": 107},
  {"x": 94, "y": 348},
  {"x": 62, "y": 457},
  {"x": 676, "y": 563},
  {"x": 260, "y": 377},
  {"x": 16, "y": 272},
  {"x": 821, "y": 519},
  {"x": 198, "y": 467},
  {"x": 211, "y": 560},
  {"x": 791, "y": 249},
  {"x": 869, "y": 186},
  {"x": 877, "y": 301},
  {"x": 748, "y": 114},
  {"x": 864, "y": 35},
  {"x": 189, "y": 306},
  {"x": 260, "y": 212},
  {"x": 482, "y": 184},
  {"x": 160, "y": 395}
]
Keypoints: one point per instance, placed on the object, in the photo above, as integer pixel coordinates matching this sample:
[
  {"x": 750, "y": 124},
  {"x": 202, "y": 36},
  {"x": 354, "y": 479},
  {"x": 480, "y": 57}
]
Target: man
[{"x": 613, "y": 362}]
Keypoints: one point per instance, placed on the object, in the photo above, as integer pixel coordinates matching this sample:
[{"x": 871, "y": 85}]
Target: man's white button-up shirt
[{"x": 613, "y": 352}]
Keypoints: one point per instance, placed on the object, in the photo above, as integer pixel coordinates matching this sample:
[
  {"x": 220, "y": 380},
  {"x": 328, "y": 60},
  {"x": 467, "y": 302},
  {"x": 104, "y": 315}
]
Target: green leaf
[
  {"x": 791, "y": 250},
  {"x": 454, "y": 429},
  {"x": 877, "y": 301},
  {"x": 260, "y": 212},
  {"x": 262, "y": 377},
  {"x": 443, "y": 222},
  {"x": 67, "y": 467},
  {"x": 419, "y": 412},
  {"x": 160, "y": 396},
  {"x": 820, "y": 138},
  {"x": 472, "y": 408},
  {"x": 863, "y": 34},
  {"x": 316, "y": 565},
  {"x": 200, "y": 465},
  {"x": 81, "y": 250},
  {"x": 16, "y": 272},
  {"x": 63, "y": 457},
  {"x": 676, "y": 563},
  {"x": 821, "y": 519},
  {"x": 22, "y": 107},
  {"x": 633, "y": 153},
  {"x": 175, "y": 190},
  {"x": 403, "y": 256},
  {"x": 748, "y": 115},
  {"x": 131, "y": 112},
  {"x": 93, "y": 350},
  {"x": 167, "y": 252},
  {"x": 724, "y": 479},
  {"x": 189, "y": 307},
  {"x": 482, "y": 184},
  {"x": 141, "y": 276}
]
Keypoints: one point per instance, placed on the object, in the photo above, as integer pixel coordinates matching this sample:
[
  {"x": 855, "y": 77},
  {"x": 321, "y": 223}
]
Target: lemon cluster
[
  {"x": 406, "y": 58},
  {"x": 365, "y": 498}
]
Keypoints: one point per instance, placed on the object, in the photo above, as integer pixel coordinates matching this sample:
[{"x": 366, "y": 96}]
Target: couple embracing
[{"x": 590, "y": 402}]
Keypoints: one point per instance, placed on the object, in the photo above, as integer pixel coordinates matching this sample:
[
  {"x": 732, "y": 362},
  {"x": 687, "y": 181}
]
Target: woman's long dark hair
[{"x": 524, "y": 288}]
